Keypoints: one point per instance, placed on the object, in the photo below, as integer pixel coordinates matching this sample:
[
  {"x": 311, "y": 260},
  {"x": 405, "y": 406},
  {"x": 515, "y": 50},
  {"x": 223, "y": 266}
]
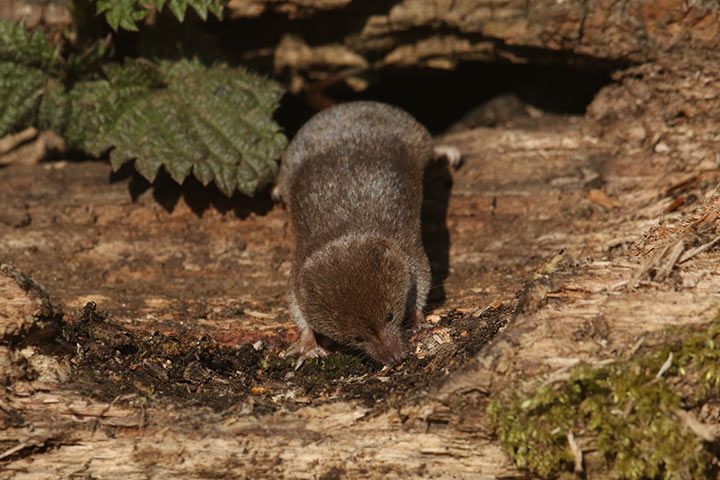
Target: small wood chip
[
  {"x": 636, "y": 346},
  {"x": 256, "y": 314},
  {"x": 676, "y": 204},
  {"x": 598, "y": 197},
  {"x": 433, "y": 318},
  {"x": 442, "y": 337},
  {"x": 680, "y": 186},
  {"x": 551, "y": 266},
  {"x": 709, "y": 433}
]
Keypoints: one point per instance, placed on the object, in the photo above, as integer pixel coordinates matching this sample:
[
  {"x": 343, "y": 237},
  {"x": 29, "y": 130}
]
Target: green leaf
[
  {"x": 26, "y": 61},
  {"x": 22, "y": 47},
  {"x": 126, "y": 14},
  {"x": 53, "y": 112},
  {"x": 87, "y": 63},
  {"x": 215, "y": 122},
  {"x": 122, "y": 13},
  {"x": 179, "y": 7},
  {"x": 20, "y": 90}
]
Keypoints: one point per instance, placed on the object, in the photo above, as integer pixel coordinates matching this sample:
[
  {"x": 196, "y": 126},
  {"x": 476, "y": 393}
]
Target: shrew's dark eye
[
  {"x": 358, "y": 339},
  {"x": 389, "y": 317}
]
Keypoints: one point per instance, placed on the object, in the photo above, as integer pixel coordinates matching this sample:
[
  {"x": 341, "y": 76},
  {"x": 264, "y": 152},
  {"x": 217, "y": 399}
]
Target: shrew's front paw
[
  {"x": 316, "y": 352},
  {"x": 306, "y": 347}
]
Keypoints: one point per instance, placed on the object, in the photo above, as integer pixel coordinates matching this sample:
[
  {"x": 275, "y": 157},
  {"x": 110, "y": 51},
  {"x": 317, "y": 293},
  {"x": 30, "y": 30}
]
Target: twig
[
  {"x": 665, "y": 366},
  {"x": 694, "y": 251},
  {"x": 577, "y": 453},
  {"x": 646, "y": 267},
  {"x": 672, "y": 259},
  {"x": 559, "y": 375},
  {"x": 563, "y": 373},
  {"x": 636, "y": 346},
  {"x": 616, "y": 285},
  {"x": 14, "y": 449},
  {"x": 629, "y": 406},
  {"x": 80, "y": 469}
]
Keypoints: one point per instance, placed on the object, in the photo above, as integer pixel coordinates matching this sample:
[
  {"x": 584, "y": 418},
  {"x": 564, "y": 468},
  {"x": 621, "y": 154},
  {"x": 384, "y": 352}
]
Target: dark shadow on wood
[
  {"x": 199, "y": 197},
  {"x": 437, "y": 185}
]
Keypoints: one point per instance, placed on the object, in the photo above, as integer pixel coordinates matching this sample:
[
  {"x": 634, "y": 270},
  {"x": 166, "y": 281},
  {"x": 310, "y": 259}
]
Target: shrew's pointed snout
[
  {"x": 395, "y": 358},
  {"x": 389, "y": 350}
]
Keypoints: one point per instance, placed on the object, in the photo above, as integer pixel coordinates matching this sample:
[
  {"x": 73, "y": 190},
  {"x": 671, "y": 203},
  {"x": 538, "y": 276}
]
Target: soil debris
[{"x": 110, "y": 361}]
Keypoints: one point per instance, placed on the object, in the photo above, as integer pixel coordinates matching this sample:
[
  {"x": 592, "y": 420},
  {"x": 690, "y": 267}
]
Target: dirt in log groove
[{"x": 111, "y": 362}]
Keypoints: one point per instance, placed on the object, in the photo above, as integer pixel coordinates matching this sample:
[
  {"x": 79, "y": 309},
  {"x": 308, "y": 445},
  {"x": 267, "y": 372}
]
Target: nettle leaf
[
  {"x": 126, "y": 14},
  {"x": 26, "y": 60},
  {"x": 215, "y": 122}
]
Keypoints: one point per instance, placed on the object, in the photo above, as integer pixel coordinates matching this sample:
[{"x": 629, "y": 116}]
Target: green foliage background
[{"x": 208, "y": 119}]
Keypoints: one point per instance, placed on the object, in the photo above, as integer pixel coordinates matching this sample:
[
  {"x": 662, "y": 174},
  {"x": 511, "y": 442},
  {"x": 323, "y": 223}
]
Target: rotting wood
[
  {"x": 309, "y": 41},
  {"x": 507, "y": 165},
  {"x": 183, "y": 262}
]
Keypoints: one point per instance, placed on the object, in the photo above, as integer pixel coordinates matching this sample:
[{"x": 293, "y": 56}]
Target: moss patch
[{"x": 624, "y": 416}]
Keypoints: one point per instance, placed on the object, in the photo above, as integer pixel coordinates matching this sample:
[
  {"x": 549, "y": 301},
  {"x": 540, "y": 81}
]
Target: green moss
[
  {"x": 341, "y": 365},
  {"x": 623, "y": 416},
  {"x": 335, "y": 365}
]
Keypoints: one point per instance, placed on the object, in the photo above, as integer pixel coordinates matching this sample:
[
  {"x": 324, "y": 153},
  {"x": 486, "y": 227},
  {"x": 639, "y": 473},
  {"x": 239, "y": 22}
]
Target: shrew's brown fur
[{"x": 352, "y": 178}]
